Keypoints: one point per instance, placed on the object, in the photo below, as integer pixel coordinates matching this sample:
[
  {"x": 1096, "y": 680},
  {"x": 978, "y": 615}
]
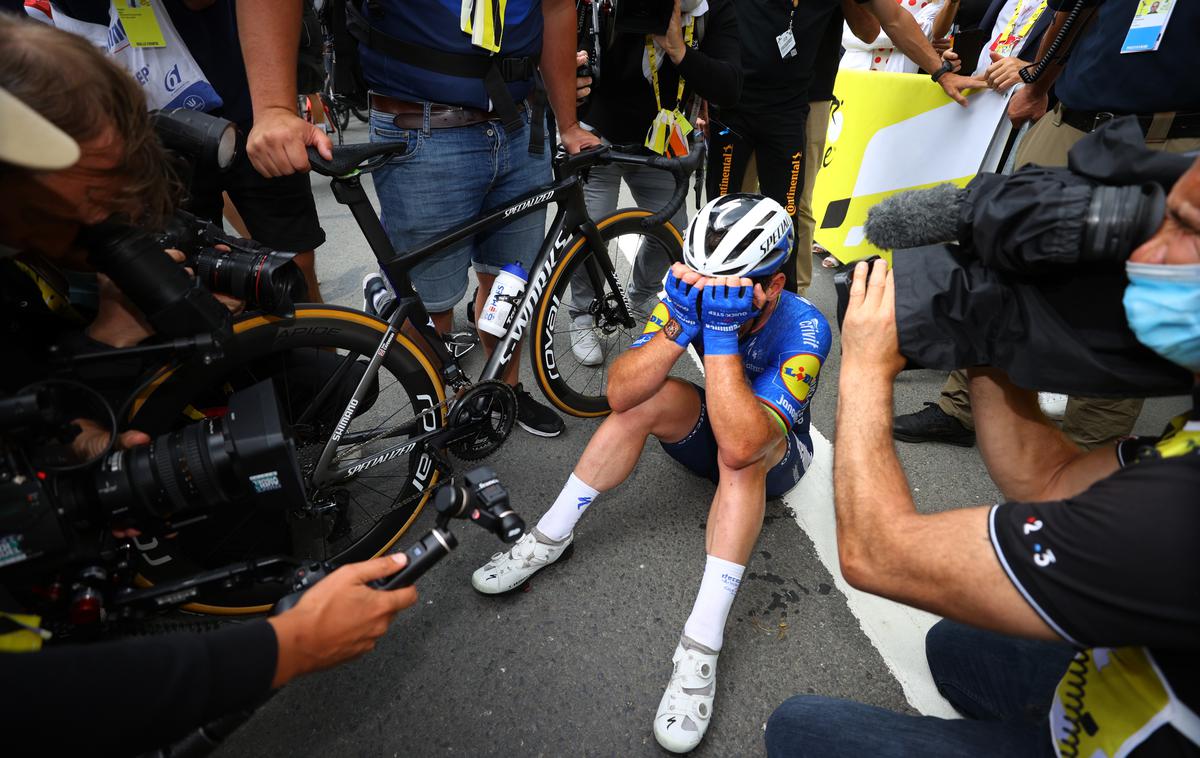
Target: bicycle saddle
[{"x": 347, "y": 158}]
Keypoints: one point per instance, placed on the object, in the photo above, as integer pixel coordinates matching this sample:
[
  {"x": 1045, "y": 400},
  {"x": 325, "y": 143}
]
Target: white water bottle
[{"x": 501, "y": 302}]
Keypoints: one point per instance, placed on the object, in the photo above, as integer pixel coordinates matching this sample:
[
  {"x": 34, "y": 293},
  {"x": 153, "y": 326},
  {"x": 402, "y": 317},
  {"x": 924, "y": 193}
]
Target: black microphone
[{"x": 915, "y": 218}]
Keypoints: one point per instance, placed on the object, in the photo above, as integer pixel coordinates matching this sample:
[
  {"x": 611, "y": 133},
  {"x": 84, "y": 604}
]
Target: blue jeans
[
  {"x": 449, "y": 177},
  {"x": 1003, "y": 685},
  {"x": 651, "y": 189}
]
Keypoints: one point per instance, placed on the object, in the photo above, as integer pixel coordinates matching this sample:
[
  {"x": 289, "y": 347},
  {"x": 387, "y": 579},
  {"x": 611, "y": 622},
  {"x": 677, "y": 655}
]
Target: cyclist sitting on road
[{"x": 762, "y": 348}]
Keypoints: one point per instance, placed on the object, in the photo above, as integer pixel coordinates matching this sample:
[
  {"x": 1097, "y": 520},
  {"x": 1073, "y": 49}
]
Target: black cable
[
  {"x": 1074, "y": 686},
  {"x": 1039, "y": 68}
]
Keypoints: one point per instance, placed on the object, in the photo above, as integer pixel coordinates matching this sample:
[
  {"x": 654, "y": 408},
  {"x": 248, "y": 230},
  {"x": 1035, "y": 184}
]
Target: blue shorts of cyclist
[{"x": 698, "y": 452}]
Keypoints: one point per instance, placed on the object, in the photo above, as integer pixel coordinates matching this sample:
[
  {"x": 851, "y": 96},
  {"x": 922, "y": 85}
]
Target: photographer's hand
[
  {"x": 118, "y": 323},
  {"x": 870, "y": 341},
  {"x": 672, "y": 42},
  {"x": 339, "y": 619},
  {"x": 93, "y": 438},
  {"x": 583, "y": 84},
  {"x": 278, "y": 141}
]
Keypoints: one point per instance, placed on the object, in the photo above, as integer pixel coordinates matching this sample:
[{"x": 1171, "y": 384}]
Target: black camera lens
[
  {"x": 241, "y": 457},
  {"x": 267, "y": 280}
]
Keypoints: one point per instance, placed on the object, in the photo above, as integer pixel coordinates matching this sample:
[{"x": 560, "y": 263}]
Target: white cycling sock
[
  {"x": 570, "y": 506},
  {"x": 718, "y": 588}
]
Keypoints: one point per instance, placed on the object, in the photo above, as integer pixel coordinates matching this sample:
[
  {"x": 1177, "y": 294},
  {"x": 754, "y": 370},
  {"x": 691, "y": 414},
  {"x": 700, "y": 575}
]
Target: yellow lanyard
[
  {"x": 687, "y": 38},
  {"x": 1007, "y": 34}
]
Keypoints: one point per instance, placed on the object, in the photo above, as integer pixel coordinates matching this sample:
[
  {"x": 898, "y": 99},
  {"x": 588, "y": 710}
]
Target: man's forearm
[
  {"x": 944, "y": 19},
  {"x": 639, "y": 372},
  {"x": 1043, "y": 83},
  {"x": 906, "y": 34},
  {"x": 743, "y": 428},
  {"x": 270, "y": 35},
  {"x": 1027, "y": 456},
  {"x": 861, "y": 21},
  {"x": 872, "y": 493},
  {"x": 558, "y": 59}
]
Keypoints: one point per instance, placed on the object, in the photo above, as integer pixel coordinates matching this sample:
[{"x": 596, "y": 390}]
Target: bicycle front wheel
[
  {"x": 315, "y": 361},
  {"x": 579, "y": 329}
]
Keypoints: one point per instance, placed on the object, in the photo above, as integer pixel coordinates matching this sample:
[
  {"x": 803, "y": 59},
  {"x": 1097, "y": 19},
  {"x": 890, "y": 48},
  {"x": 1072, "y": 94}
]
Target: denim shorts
[
  {"x": 698, "y": 453},
  {"x": 449, "y": 177}
]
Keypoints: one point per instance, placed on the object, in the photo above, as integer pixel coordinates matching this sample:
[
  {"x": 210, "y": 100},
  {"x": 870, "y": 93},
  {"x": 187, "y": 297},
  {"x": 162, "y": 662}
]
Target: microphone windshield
[{"x": 915, "y": 218}]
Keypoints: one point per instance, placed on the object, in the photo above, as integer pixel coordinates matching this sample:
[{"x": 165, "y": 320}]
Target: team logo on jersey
[
  {"x": 799, "y": 374},
  {"x": 658, "y": 318}
]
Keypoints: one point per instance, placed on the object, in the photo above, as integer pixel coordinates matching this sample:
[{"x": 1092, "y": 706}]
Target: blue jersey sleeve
[{"x": 789, "y": 383}]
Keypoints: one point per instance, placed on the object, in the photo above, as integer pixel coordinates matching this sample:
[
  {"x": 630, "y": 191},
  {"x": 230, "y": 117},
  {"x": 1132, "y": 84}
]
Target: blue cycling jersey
[{"x": 782, "y": 359}]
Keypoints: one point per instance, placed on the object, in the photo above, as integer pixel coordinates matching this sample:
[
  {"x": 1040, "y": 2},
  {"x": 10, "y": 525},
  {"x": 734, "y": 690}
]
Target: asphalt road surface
[{"x": 576, "y": 664}]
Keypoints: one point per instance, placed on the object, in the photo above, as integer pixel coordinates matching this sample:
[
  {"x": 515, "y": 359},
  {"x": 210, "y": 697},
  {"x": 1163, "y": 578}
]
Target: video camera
[
  {"x": 175, "y": 304},
  {"x": 1025, "y": 272},
  {"x": 56, "y": 513}
]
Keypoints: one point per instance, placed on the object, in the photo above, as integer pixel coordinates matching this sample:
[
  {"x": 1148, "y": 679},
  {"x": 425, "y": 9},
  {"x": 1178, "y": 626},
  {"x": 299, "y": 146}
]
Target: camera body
[
  {"x": 56, "y": 518},
  {"x": 267, "y": 280},
  {"x": 1025, "y": 272}
]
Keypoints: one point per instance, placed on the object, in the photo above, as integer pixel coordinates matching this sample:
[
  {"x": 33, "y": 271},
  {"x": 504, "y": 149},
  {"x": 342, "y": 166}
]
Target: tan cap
[{"x": 29, "y": 140}]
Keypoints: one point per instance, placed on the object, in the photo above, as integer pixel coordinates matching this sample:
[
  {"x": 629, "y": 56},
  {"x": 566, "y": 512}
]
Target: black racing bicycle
[{"x": 368, "y": 407}]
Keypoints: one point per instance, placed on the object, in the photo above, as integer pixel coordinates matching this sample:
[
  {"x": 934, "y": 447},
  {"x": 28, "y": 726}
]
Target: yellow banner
[{"x": 891, "y": 133}]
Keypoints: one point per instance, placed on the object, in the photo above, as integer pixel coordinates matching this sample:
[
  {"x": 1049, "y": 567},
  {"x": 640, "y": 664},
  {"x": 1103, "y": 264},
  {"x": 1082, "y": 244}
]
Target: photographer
[
  {"x": 86, "y": 152},
  {"x": 642, "y": 77},
  {"x": 1091, "y": 559}
]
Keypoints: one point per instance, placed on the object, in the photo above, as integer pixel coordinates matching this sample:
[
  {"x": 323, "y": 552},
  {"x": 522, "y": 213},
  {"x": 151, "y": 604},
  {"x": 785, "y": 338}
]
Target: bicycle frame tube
[
  {"x": 571, "y": 215},
  {"x": 323, "y": 474}
]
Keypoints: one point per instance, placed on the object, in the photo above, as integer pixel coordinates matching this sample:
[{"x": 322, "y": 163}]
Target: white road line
[{"x": 896, "y": 631}]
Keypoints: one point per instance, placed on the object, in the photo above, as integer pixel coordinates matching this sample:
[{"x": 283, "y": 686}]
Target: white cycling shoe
[
  {"x": 686, "y": 705},
  {"x": 584, "y": 343},
  {"x": 506, "y": 572}
]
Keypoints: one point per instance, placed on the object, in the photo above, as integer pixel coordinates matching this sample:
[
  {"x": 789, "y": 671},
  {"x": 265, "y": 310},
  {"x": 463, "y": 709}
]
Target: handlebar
[
  {"x": 635, "y": 155},
  {"x": 364, "y": 157}
]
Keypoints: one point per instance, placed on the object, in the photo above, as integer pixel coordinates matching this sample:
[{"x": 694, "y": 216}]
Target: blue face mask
[{"x": 1162, "y": 305}]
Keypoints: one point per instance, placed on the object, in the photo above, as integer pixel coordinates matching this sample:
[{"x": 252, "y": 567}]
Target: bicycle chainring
[{"x": 485, "y": 413}]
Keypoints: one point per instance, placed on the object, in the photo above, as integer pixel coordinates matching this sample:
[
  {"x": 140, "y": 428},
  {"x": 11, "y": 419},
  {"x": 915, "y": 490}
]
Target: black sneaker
[
  {"x": 536, "y": 418},
  {"x": 932, "y": 424}
]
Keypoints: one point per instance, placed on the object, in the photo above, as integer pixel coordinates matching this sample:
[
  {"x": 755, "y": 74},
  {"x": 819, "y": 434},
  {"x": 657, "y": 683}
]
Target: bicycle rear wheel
[
  {"x": 315, "y": 361},
  {"x": 571, "y": 385}
]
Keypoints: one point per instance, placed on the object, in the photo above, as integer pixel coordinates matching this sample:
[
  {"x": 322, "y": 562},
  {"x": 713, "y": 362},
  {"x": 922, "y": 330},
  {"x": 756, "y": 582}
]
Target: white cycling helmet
[{"x": 739, "y": 235}]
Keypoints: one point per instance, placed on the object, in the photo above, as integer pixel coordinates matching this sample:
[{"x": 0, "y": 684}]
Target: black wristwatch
[{"x": 946, "y": 68}]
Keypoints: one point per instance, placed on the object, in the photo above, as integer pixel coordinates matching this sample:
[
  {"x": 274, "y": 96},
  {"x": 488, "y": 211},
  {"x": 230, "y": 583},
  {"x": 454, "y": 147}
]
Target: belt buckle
[{"x": 1101, "y": 118}]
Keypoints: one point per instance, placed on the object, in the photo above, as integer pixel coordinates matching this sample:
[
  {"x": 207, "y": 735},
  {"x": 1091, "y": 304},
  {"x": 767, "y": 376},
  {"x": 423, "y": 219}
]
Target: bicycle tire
[
  {"x": 572, "y": 387},
  {"x": 257, "y": 339}
]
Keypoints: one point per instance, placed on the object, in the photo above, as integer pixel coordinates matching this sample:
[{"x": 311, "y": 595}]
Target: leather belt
[
  {"x": 412, "y": 115},
  {"x": 1182, "y": 125}
]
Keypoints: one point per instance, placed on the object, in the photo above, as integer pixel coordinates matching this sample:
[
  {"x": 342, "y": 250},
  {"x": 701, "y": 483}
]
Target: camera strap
[{"x": 669, "y": 130}]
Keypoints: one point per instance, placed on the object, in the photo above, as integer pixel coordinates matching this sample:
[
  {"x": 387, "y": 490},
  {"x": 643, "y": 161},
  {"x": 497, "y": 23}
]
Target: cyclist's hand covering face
[
  {"x": 682, "y": 301},
  {"x": 728, "y": 303}
]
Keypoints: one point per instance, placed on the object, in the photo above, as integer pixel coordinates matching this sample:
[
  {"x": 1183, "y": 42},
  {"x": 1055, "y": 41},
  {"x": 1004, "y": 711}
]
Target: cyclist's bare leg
[
  {"x": 669, "y": 414},
  {"x": 736, "y": 515}
]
